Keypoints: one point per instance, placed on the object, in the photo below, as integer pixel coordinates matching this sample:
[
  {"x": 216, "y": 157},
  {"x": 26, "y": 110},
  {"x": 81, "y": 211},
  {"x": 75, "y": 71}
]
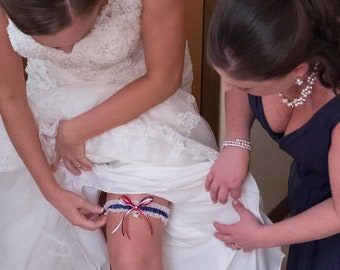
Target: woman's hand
[
  {"x": 70, "y": 150},
  {"x": 242, "y": 235},
  {"x": 228, "y": 174},
  {"x": 77, "y": 210}
]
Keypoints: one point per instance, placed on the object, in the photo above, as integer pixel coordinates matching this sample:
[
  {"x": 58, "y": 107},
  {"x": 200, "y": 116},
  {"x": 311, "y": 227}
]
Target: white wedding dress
[{"x": 167, "y": 152}]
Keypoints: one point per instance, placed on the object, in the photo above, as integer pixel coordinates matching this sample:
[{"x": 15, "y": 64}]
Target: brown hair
[
  {"x": 261, "y": 39},
  {"x": 43, "y": 17}
]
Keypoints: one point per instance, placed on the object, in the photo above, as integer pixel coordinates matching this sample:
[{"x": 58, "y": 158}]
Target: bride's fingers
[
  {"x": 72, "y": 167},
  {"x": 76, "y": 164},
  {"x": 85, "y": 164}
]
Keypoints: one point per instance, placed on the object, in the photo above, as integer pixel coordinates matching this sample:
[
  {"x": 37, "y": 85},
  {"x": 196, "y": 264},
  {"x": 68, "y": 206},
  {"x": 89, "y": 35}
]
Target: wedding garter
[{"x": 144, "y": 208}]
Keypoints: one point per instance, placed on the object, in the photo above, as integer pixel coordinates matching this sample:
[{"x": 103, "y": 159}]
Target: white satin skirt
[{"x": 166, "y": 152}]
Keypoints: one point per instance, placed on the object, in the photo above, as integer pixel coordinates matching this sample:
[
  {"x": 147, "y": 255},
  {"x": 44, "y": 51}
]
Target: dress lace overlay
[{"x": 61, "y": 86}]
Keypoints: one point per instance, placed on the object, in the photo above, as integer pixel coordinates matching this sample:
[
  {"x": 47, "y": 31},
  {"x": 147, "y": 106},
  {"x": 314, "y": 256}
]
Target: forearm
[
  {"x": 230, "y": 169},
  {"x": 238, "y": 115},
  {"x": 318, "y": 222},
  {"x": 23, "y": 133},
  {"x": 16, "y": 114},
  {"x": 122, "y": 107},
  {"x": 162, "y": 21}
]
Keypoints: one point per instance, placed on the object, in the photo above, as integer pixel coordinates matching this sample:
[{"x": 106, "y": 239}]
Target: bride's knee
[
  {"x": 132, "y": 260},
  {"x": 135, "y": 231},
  {"x": 139, "y": 248}
]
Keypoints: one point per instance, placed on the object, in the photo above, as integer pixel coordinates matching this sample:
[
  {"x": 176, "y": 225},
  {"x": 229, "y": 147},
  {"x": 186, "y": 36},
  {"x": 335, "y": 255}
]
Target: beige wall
[{"x": 270, "y": 167}]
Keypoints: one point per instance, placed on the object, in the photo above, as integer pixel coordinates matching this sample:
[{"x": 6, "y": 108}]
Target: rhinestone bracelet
[{"x": 238, "y": 143}]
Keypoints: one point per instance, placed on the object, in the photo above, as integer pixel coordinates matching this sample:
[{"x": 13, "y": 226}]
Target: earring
[{"x": 298, "y": 81}]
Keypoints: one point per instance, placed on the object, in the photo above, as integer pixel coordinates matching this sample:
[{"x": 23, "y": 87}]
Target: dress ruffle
[{"x": 34, "y": 235}]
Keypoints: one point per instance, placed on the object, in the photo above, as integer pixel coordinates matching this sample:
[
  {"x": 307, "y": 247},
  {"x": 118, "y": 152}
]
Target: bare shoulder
[
  {"x": 6, "y": 47},
  {"x": 11, "y": 67},
  {"x": 3, "y": 19}
]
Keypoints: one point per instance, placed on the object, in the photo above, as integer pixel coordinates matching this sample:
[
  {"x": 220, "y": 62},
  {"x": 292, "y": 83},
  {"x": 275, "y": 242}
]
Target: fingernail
[{"x": 235, "y": 201}]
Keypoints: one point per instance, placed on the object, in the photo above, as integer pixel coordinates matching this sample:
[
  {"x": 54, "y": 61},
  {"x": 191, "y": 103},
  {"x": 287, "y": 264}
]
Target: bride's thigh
[{"x": 135, "y": 240}]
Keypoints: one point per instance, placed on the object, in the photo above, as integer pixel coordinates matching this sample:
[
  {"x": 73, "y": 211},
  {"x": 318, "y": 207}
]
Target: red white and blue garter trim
[{"x": 145, "y": 208}]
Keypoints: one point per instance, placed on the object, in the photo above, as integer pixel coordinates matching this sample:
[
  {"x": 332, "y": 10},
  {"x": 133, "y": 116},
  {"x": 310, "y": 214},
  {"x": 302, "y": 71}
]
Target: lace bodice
[
  {"x": 62, "y": 86},
  {"x": 110, "y": 52}
]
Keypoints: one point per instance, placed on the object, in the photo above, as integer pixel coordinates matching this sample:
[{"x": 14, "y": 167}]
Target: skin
[
  {"x": 140, "y": 95},
  {"x": 239, "y": 120},
  {"x": 317, "y": 222},
  {"x": 68, "y": 37},
  {"x": 162, "y": 21},
  {"x": 22, "y": 130}
]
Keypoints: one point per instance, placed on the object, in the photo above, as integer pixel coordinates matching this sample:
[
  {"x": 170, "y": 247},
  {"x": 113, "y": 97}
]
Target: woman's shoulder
[{"x": 3, "y": 22}]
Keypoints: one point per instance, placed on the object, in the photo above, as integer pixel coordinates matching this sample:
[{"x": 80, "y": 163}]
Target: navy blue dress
[{"x": 308, "y": 180}]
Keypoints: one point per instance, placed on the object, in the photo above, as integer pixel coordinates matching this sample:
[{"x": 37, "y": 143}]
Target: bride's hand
[
  {"x": 70, "y": 150},
  {"x": 78, "y": 211}
]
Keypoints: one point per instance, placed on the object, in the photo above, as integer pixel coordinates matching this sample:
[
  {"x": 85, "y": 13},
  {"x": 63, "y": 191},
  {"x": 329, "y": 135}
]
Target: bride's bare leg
[{"x": 137, "y": 249}]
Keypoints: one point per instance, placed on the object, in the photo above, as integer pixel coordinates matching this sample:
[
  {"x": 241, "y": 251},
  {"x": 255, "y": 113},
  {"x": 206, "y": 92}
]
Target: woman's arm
[
  {"x": 22, "y": 130},
  {"x": 318, "y": 222},
  {"x": 164, "y": 45},
  {"x": 238, "y": 115},
  {"x": 231, "y": 168}
]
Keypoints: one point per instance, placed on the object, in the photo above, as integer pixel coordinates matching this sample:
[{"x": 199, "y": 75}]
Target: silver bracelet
[{"x": 238, "y": 143}]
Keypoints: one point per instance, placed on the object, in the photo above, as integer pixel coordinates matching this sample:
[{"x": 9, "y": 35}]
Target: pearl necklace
[{"x": 305, "y": 92}]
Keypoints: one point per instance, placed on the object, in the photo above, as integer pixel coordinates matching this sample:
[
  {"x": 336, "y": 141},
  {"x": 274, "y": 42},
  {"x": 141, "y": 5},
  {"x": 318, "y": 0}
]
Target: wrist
[
  {"x": 67, "y": 131},
  {"x": 52, "y": 193},
  {"x": 240, "y": 143}
]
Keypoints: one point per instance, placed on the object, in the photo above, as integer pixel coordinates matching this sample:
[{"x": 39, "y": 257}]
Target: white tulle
[{"x": 167, "y": 152}]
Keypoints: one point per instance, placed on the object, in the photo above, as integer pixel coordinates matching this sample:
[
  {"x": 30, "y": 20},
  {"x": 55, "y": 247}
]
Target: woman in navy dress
[{"x": 279, "y": 63}]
